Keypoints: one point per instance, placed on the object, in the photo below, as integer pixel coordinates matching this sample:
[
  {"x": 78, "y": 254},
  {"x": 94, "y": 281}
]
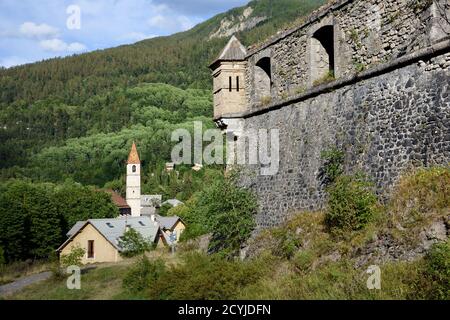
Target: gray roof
[
  {"x": 233, "y": 51},
  {"x": 113, "y": 229},
  {"x": 77, "y": 226},
  {"x": 173, "y": 202},
  {"x": 167, "y": 223},
  {"x": 151, "y": 200},
  {"x": 147, "y": 211}
]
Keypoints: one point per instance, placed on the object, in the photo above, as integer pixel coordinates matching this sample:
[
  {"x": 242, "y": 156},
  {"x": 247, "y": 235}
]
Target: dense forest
[
  {"x": 68, "y": 123},
  {"x": 45, "y": 103}
]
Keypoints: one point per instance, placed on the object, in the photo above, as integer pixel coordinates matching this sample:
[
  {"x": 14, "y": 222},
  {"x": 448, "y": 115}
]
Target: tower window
[
  {"x": 237, "y": 83},
  {"x": 230, "y": 84},
  {"x": 133, "y": 168}
]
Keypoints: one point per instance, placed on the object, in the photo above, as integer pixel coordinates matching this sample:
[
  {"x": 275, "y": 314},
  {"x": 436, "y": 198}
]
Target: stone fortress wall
[{"x": 371, "y": 78}]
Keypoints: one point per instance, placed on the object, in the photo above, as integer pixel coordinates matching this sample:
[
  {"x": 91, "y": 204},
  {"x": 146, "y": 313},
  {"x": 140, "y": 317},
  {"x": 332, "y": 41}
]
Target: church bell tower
[{"x": 134, "y": 182}]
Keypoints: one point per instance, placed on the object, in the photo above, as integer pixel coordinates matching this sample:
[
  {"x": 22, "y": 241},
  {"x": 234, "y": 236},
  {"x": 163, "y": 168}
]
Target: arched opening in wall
[
  {"x": 263, "y": 78},
  {"x": 133, "y": 169},
  {"x": 322, "y": 54}
]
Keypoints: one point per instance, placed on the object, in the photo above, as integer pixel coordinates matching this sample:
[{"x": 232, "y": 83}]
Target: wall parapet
[
  {"x": 312, "y": 18},
  {"x": 422, "y": 54}
]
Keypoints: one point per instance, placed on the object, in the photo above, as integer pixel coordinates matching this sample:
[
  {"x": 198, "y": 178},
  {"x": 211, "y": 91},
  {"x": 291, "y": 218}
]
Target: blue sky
[{"x": 33, "y": 30}]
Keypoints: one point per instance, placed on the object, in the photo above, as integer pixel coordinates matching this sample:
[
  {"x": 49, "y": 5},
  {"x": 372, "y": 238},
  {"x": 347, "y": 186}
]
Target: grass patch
[
  {"x": 13, "y": 271},
  {"x": 329, "y": 77}
]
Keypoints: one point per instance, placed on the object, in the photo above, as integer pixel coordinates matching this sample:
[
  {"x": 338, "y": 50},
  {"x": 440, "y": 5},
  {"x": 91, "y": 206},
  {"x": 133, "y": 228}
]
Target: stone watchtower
[
  {"x": 229, "y": 89},
  {"x": 134, "y": 182}
]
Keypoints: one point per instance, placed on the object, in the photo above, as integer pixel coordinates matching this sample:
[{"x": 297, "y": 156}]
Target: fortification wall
[
  {"x": 370, "y": 77},
  {"x": 364, "y": 34},
  {"x": 383, "y": 123}
]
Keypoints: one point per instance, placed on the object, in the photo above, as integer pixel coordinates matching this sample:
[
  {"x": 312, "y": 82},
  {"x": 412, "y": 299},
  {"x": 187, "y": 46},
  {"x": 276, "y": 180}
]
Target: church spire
[{"x": 133, "y": 157}]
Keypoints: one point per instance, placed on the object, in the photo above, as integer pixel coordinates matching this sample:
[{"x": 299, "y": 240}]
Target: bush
[
  {"x": 222, "y": 209},
  {"x": 202, "y": 277},
  {"x": 437, "y": 271},
  {"x": 232, "y": 212},
  {"x": 73, "y": 258},
  {"x": 133, "y": 243},
  {"x": 351, "y": 203},
  {"x": 332, "y": 167},
  {"x": 163, "y": 211},
  {"x": 143, "y": 274}
]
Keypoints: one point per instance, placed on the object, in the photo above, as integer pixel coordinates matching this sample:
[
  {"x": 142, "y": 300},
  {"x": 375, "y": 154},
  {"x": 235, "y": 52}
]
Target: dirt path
[{"x": 18, "y": 285}]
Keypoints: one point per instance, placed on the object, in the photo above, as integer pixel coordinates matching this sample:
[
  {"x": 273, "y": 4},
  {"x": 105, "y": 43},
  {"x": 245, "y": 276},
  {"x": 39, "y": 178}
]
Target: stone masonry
[{"x": 371, "y": 78}]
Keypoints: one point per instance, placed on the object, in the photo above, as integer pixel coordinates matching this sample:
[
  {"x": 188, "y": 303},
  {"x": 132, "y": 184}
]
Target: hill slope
[
  {"x": 44, "y": 104},
  {"x": 180, "y": 59}
]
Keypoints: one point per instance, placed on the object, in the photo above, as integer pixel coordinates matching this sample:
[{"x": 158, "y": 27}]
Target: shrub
[
  {"x": 351, "y": 203},
  {"x": 332, "y": 167},
  {"x": 437, "y": 271},
  {"x": 73, "y": 258},
  {"x": 202, "y": 277},
  {"x": 143, "y": 274},
  {"x": 222, "y": 209},
  {"x": 133, "y": 243},
  {"x": 163, "y": 211},
  {"x": 232, "y": 211},
  {"x": 195, "y": 217}
]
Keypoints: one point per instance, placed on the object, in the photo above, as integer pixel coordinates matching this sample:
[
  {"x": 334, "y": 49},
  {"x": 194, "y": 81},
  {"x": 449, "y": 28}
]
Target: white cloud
[
  {"x": 39, "y": 31},
  {"x": 172, "y": 23},
  {"x": 13, "y": 61},
  {"x": 58, "y": 45}
]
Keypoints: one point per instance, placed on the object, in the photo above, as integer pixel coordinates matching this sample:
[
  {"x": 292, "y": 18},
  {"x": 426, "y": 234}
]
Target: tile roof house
[{"x": 120, "y": 202}]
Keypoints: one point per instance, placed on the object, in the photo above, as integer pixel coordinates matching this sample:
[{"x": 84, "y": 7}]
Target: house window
[
  {"x": 90, "y": 252},
  {"x": 237, "y": 83},
  {"x": 230, "y": 84},
  {"x": 263, "y": 78},
  {"x": 133, "y": 168}
]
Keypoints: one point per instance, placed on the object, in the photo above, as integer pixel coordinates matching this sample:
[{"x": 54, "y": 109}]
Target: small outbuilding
[{"x": 100, "y": 237}]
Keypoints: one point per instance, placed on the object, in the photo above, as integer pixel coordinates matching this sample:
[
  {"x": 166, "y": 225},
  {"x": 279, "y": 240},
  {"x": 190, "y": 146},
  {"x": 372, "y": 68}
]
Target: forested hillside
[
  {"x": 66, "y": 125},
  {"x": 43, "y": 104}
]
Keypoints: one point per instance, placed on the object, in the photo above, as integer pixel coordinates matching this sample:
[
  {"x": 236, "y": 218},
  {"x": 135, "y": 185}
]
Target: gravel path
[{"x": 18, "y": 285}]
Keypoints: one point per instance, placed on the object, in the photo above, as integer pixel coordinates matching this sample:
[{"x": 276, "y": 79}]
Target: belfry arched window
[{"x": 133, "y": 168}]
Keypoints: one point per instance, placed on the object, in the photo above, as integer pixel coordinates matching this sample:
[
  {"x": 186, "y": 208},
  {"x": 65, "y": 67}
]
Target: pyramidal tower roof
[
  {"x": 133, "y": 157},
  {"x": 233, "y": 51}
]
